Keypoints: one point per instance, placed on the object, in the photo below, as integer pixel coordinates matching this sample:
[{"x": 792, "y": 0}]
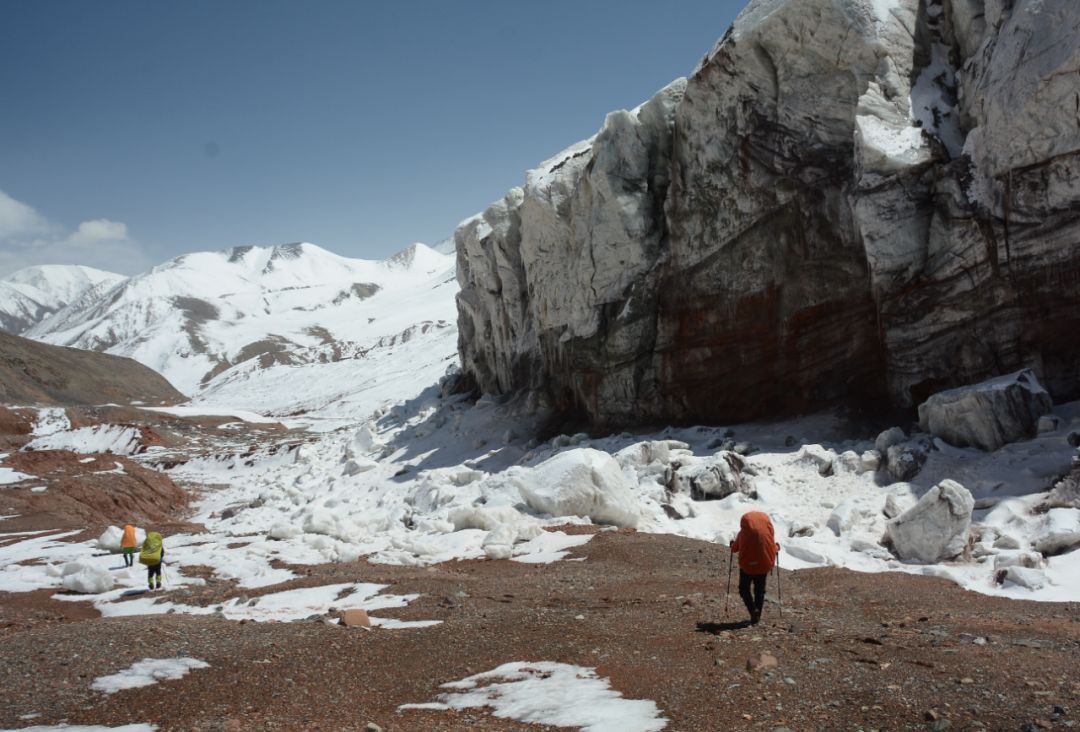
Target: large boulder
[
  {"x": 989, "y": 414},
  {"x": 934, "y": 529},
  {"x": 715, "y": 478}
]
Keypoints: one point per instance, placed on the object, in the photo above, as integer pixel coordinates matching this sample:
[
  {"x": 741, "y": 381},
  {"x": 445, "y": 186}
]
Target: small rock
[
  {"x": 1006, "y": 541},
  {"x": 372, "y": 727},
  {"x": 1046, "y": 423},
  {"x": 761, "y": 662},
  {"x": 355, "y": 617},
  {"x": 1074, "y": 439},
  {"x": 790, "y": 441},
  {"x": 888, "y": 438}
]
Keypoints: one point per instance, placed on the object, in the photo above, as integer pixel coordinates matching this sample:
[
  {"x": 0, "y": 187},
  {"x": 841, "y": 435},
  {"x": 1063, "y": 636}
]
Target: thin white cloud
[{"x": 28, "y": 238}]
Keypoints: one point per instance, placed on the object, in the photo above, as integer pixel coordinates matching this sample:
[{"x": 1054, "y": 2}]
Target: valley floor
[{"x": 646, "y": 611}]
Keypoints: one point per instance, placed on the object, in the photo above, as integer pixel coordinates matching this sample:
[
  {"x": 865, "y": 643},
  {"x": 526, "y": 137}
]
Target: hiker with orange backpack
[
  {"x": 757, "y": 549},
  {"x": 128, "y": 543},
  {"x": 152, "y": 555}
]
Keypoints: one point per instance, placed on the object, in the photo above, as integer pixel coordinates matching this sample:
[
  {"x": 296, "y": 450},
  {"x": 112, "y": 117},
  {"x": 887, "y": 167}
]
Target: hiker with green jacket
[{"x": 152, "y": 555}]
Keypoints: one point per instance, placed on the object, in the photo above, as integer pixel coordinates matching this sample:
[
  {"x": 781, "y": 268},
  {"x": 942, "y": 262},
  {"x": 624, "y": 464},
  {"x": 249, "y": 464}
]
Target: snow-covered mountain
[
  {"x": 31, "y": 295},
  {"x": 220, "y": 320}
]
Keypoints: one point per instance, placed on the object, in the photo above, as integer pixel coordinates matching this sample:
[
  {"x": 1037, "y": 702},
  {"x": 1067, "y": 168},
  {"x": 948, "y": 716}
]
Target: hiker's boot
[{"x": 755, "y": 617}]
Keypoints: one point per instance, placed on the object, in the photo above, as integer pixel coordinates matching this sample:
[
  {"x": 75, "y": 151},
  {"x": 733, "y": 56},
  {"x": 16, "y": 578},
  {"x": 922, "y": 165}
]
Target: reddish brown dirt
[
  {"x": 15, "y": 427},
  {"x": 855, "y": 651},
  {"x": 87, "y": 493}
]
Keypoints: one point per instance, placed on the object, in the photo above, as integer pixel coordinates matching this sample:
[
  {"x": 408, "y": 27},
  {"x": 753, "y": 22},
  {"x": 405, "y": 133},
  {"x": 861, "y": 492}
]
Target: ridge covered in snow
[
  {"x": 31, "y": 295},
  {"x": 241, "y": 311}
]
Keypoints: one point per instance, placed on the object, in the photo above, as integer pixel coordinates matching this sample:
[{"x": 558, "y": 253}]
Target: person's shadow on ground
[{"x": 716, "y": 628}]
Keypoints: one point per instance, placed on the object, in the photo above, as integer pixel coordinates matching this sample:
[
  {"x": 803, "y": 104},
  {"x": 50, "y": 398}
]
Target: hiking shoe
[{"x": 755, "y": 618}]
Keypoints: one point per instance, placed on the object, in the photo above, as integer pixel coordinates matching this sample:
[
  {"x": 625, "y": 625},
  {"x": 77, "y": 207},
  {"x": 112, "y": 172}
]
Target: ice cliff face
[{"x": 847, "y": 197}]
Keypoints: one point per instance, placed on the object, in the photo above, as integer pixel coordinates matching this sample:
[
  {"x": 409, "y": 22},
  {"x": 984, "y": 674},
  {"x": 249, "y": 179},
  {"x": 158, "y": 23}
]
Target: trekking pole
[
  {"x": 727, "y": 592},
  {"x": 779, "y": 589}
]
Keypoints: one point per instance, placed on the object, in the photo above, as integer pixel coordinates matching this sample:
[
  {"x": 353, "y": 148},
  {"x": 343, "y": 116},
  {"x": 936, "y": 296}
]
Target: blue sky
[{"x": 136, "y": 131}]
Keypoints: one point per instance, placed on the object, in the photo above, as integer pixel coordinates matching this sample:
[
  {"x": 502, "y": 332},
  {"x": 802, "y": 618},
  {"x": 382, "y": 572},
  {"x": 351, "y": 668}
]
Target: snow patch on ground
[
  {"x": 556, "y": 694},
  {"x": 106, "y": 438},
  {"x": 203, "y": 411},
  {"x": 147, "y": 672},
  {"x": 10, "y": 475}
]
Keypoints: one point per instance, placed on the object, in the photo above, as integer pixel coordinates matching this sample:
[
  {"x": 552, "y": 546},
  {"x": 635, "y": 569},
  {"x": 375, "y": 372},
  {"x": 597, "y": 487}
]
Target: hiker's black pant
[
  {"x": 757, "y": 601},
  {"x": 151, "y": 571},
  {"x": 129, "y": 557}
]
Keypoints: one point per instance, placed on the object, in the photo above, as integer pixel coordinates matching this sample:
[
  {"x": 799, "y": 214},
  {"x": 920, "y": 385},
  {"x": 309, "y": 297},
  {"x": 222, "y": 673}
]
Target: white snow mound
[
  {"x": 88, "y": 579},
  {"x": 582, "y": 482}
]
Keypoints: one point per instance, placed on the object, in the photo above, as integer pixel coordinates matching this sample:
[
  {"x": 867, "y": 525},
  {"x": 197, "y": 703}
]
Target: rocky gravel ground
[{"x": 852, "y": 651}]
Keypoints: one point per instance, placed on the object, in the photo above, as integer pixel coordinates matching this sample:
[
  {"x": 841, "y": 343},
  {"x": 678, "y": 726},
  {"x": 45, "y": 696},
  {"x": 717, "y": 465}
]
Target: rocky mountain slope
[
  {"x": 33, "y": 294},
  {"x": 37, "y": 373},
  {"x": 872, "y": 198},
  {"x": 252, "y": 309}
]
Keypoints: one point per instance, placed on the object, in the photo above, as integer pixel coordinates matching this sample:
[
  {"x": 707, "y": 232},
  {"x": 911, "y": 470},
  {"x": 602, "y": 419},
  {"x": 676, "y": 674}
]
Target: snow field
[
  {"x": 555, "y": 694},
  {"x": 356, "y": 493}
]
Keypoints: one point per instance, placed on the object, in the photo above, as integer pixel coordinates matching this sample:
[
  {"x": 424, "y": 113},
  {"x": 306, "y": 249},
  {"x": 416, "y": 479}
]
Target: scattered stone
[
  {"x": 790, "y": 441},
  {"x": 1074, "y": 439},
  {"x": 888, "y": 438},
  {"x": 372, "y": 727},
  {"x": 896, "y": 505},
  {"x": 1047, "y": 423},
  {"x": 761, "y": 661},
  {"x": 1066, "y": 492},
  {"x": 1014, "y": 558},
  {"x": 903, "y": 462},
  {"x": 1058, "y": 532},
  {"x": 844, "y": 516},
  {"x": 1006, "y": 541},
  {"x": 989, "y": 414},
  {"x": 870, "y": 461},
  {"x": 715, "y": 479},
  {"x": 355, "y": 617},
  {"x": 1032, "y": 579},
  {"x": 848, "y": 462},
  {"x": 818, "y": 457},
  {"x": 935, "y": 528}
]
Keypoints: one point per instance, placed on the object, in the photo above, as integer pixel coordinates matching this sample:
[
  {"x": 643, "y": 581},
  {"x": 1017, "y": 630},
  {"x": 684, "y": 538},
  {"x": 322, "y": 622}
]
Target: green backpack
[{"x": 151, "y": 549}]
